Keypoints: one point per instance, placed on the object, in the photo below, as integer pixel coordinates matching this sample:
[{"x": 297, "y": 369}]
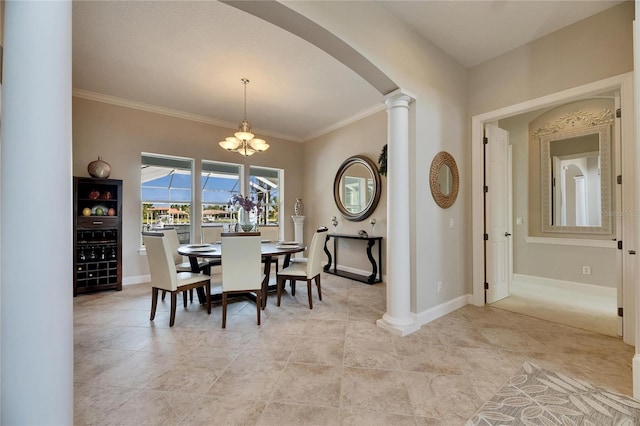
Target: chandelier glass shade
[{"x": 243, "y": 141}]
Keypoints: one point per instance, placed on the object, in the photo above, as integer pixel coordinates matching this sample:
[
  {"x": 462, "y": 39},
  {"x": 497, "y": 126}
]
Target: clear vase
[{"x": 245, "y": 220}]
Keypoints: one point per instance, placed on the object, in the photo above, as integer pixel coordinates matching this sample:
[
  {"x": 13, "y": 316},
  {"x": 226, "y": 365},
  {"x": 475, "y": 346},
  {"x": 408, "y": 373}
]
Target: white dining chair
[
  {"x": 211, "y": 234},
  {"x": 270, "y": 233},
  {"x": 241, "y": 268},
  {"x": 181, "y": 265},
  {"x": 307, "y": 271},
  {"x": 165, "y": 277}
]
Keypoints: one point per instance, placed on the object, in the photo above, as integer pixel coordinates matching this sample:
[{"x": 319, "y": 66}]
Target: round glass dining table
[{"x": 269, "y": 249}]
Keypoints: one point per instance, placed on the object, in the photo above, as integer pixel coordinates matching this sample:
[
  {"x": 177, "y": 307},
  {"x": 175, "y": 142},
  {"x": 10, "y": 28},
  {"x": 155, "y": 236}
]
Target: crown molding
[
  {"x": 141, "y": 106},
  {"x": 113, "y": 100},
  {"x": 356, "y": 117}
]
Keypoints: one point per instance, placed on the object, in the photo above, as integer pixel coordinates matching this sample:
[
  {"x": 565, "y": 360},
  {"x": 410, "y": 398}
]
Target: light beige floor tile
[
  {"x": 375, "y": 390},
  {"x": 248, "y": 378},
  {"x": 437, "y": 359},
  {"x": 215, "y": 410},
  {"x": 136, "y": 370},
  {"x": 325, "y": 329},
  {"x": 310, "y": 384},
  {"x": 95, "y": 404},
  {"x": 194, "y": 375},
  {"x": 329, "y": 365},
  {"x": 281, "y": 414},
  {"x": 150, "y": 407},
  {"x": 314, "y": 350},
  {"x": 374, "y": 418},
  {"x": 89, "y": 364},
  {"x": 442, "y": 396},
  {"x": 362, "y": 356}
]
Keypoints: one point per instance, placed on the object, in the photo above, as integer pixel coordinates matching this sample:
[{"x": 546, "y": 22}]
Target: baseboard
[
  {"x": 636, "y": 376},
  {"x": 570, "y": 285},
  {"x": 139, "y": 279},
  {"x": 443, "y": 309}
]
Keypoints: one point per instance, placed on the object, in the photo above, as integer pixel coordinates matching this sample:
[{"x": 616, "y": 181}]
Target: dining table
[{"x": 270, "y": 250}]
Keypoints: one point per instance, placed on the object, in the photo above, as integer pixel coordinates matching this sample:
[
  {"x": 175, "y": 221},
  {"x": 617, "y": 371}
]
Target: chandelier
[{"x": 243, "y": 141}]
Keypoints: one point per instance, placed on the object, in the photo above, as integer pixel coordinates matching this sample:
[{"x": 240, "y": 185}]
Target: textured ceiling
[{"x": 190, "y": 56}]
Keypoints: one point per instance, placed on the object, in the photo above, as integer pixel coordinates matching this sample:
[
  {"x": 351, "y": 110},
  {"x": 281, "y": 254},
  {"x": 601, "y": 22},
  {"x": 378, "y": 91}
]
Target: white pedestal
[{"x": 298, "y": 229}]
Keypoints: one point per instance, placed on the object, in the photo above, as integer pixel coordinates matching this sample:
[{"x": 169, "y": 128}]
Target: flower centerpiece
[{"x": 248, "y": 211}]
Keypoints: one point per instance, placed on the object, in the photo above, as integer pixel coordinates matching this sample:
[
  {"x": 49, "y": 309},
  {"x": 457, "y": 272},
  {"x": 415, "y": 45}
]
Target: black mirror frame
[{"x": 371, "y": 206}]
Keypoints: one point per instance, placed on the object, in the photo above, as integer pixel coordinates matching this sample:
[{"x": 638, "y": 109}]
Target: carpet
[{"x": 539, "y": 397}]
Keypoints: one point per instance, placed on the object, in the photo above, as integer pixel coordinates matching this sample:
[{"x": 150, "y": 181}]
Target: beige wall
[
  {"x": 322, "y": 158},
  {"x": 438, "y": 122},
  {"x": 119, "y": 135},
  {"x": 590, "y": 50}
]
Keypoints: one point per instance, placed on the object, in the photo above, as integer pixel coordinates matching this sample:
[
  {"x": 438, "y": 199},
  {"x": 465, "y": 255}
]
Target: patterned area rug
[{"x": 538, "y": 397}]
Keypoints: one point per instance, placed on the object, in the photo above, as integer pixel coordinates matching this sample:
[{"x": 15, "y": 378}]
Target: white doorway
[{"x": 624, "y": 85}]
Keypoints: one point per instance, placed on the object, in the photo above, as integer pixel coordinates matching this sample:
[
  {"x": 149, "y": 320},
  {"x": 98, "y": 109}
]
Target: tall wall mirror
[
  {"x": 356, "y": 188},
  {"x": 576, "y": 180}
]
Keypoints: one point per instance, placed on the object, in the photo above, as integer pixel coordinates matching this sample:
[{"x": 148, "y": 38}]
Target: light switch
[
  {"x": 450, "y": 222},
  {"x": 518, "y": 221}
]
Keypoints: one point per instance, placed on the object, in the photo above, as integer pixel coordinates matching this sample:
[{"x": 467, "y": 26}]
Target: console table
[{"x": 376, "y": 272}]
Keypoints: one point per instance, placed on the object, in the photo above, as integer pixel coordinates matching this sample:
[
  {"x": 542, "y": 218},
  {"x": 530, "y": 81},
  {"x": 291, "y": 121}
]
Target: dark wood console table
[{"x": 376, "y": 272}]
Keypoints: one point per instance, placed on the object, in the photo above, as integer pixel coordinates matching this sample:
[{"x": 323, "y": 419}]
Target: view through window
[
  {"x": 166, "y": 194},
  {"x": 264, "y": 185},
  {"x": 219, "y": 182}
]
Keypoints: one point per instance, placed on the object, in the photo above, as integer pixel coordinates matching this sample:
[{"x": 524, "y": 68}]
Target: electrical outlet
[
  {"x": 439, "y": 286},
  {"x": 586, "y": 270}
]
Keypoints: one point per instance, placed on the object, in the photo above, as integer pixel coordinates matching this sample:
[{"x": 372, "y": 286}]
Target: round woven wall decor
[{"x": 444, "y": 200}]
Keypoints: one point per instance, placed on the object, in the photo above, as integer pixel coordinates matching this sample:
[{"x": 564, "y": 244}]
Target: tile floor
[{"x": 326, "y": 366}]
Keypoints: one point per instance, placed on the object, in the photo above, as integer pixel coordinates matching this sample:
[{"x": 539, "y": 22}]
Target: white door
[{"x": 496, "y": 209}]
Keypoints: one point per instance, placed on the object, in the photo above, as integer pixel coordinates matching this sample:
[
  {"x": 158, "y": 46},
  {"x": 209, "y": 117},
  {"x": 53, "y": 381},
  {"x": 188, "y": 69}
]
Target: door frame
[{"x": 623, "y": 83}]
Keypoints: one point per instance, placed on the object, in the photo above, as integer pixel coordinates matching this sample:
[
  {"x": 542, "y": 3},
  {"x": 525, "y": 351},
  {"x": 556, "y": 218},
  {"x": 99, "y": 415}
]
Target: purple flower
[{"x": 246, "y": 203}]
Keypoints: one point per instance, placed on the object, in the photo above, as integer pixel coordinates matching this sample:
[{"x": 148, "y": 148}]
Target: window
[
  {"x": 166, "y": 195},
  {"x": 219, "y": 181},
  {"x": 264, "y": 185}
]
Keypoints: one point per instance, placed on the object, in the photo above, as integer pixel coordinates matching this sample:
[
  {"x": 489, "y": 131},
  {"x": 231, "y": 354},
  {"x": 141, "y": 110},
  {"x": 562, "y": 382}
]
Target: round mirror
[
  {"x": 356, "y": 188},
  {"x": 444, "y": 179}
]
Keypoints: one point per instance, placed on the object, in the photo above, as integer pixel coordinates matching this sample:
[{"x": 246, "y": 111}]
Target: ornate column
[
  {"x": 35, "y": 174},
  {"x": 298, "y": 229},
  {"x": 398, "y": 317}
]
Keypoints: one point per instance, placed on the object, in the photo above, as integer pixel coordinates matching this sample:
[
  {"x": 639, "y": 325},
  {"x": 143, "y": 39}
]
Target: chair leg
[
  {"x": 184, "y": 299},
  {"x": 154, "y": 302},
  {"x": 191, "y": 295},
  {"x": 164, "y": 293},
  {"x": 293, "y": 287},
  {"x": 174, "y": 302},
  {"x": 207, "y": 290},
  {"x": 279, "y": 284},
  {"x": 258, "y": 303},
  {"x": 318, "y": 285},
  {"x": 309, "y": 292},
  {"x": 224, "y": 310}
]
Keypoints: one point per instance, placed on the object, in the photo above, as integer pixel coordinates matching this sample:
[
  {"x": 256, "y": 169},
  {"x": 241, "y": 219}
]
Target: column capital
[
  {"x": 398, "y": 98},
  {"x": 297, "y": 219}
]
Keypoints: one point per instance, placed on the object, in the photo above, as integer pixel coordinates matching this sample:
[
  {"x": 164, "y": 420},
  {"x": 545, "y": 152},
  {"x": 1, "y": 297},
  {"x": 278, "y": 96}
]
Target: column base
[{"x": 399, "y": 328}]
